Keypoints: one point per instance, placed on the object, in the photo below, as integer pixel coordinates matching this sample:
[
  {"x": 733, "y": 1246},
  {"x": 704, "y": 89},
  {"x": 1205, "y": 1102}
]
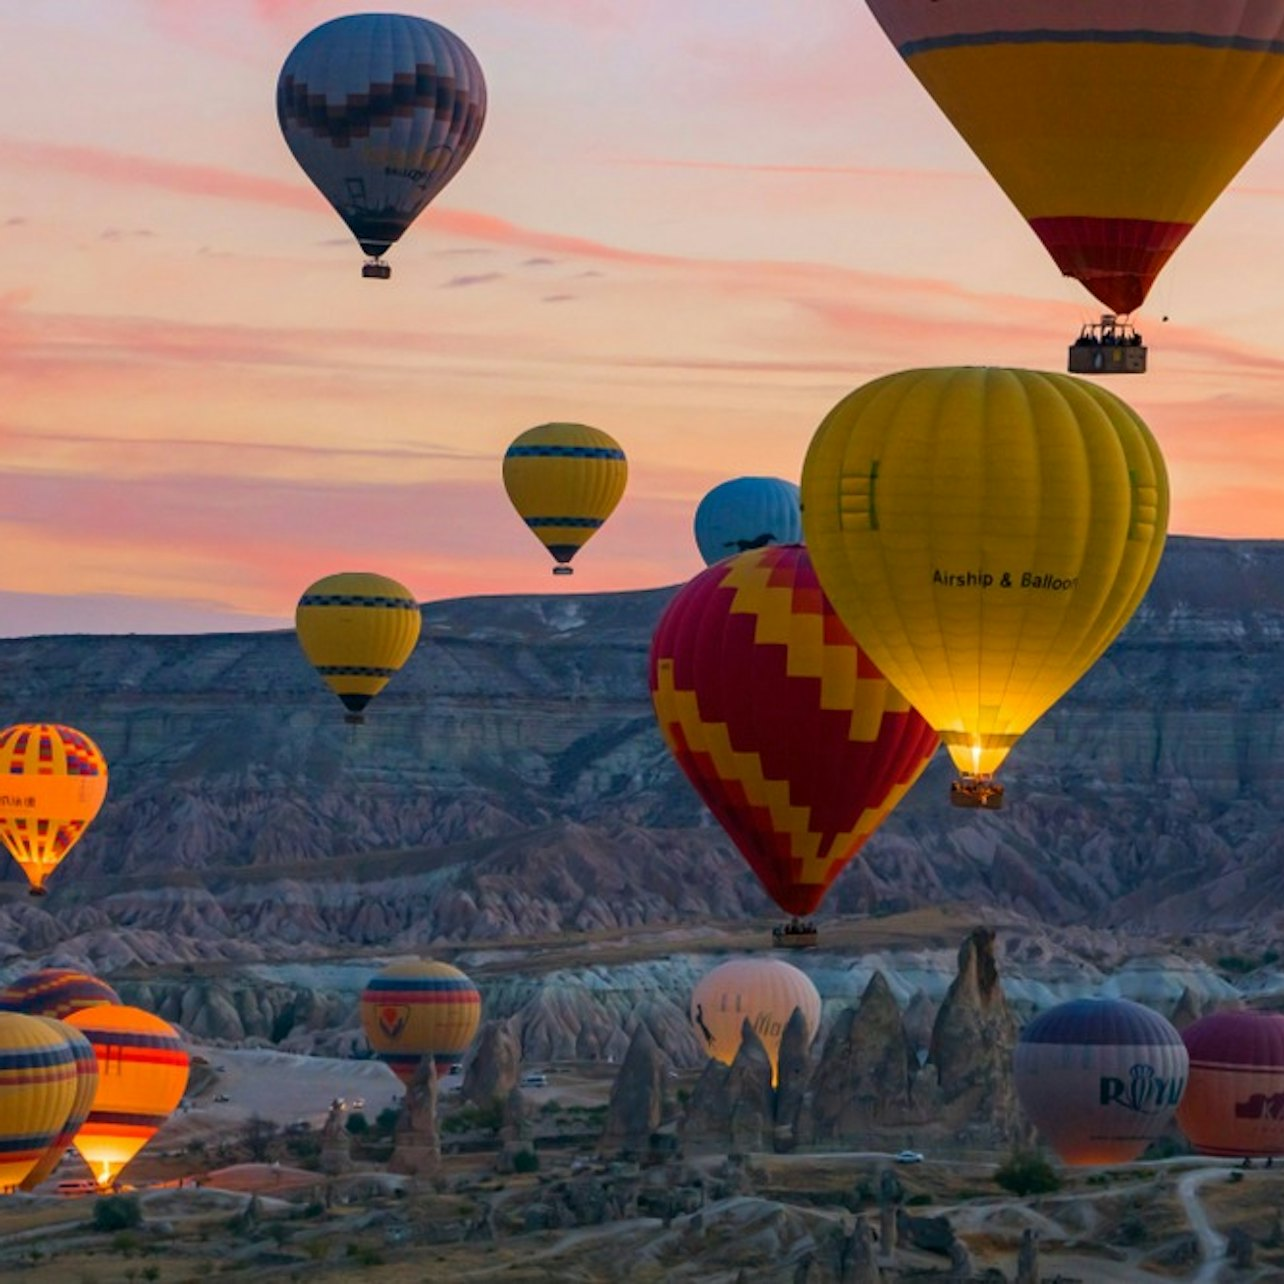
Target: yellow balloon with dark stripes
[
  {"x": 37, "y": 1091},
  {"x": 357, "y": 629},
  {"x": 142, "y": 1074},
  {"x": 984, "y": 534},
  {"x": 1112, "y": 125},
  {"x": 565, "y": 481},
  {"x": 86, "y": 1088}
]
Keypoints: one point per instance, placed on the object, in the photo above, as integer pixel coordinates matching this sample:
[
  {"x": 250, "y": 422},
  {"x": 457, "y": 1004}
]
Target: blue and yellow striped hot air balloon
[
  {"x": 86, "y": 1089},
  {"x": 357, "y": 629},
  {"x": 565, "y": 481},
  {"x": 37, "y": 1091},
  {"x": 420, "y": 1009},
  {"x": 55, "y": 992}
]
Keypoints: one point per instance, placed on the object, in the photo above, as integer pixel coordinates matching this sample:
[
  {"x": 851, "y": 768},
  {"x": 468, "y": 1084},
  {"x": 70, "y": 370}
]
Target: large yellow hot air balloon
[
  {"x": 565, "y": 481},
  {"x": 53, "y": 780},
  {"x": 1112, "y": 125},
  {"x": 984, "y": 534},
  {"x": 762, "y": 991},
  {"x": 420, "y": 1009},
  {"x": 142, "y": 1074},
  {"x": 86, "y": 1089},
  {"x": 37, "y": 1090},
  {"x": 357, "y": 629}
]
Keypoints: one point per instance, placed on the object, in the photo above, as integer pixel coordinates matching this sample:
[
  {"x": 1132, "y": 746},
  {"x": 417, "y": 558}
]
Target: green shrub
[
  {"x": 358, "y": 1125},
  {"x": 1027, "y": 1174},
  {"x": 526, "y": 1161},
  {"x": 117, "y": 1213}
]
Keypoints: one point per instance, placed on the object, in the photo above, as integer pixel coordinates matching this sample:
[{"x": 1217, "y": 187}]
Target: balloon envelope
[
  {"x": 53, "y": 780},
  {"x": 381, "y": 110},
  {"x": 37, "y": 1091},
  {"x": 745, "y": 513},
  {"x": 984, "y": 534},
  {"x": 357, "y": 629},
  {"x": 86, "y": 1088},
  {"x": 1111, "y": 126},
  {"x": 790, "y": 735},
  {"x": 1235, "y": 1103},
  {"x": 1100, "y": 1078},
  {"x": 55, "y": 992},
  {"x": 420, "y": 1009},
  {"x": 565, "y": 480},
  {"x": 142, "y": 1074},
  {"x": 762, "y": 991}
]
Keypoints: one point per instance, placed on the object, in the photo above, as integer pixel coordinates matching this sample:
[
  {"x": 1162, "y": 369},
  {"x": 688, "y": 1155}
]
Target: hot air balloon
[
  {"x": 420, "y": 1009},
  {"x": 1235, "y": 1102},
  {"x": 565, "y": 481},
  {"x": 142, "y": 1074},
  {"x": 984, "y": 534},
  {"x": 53, "y": 780},
  {"x": 762, "y": 991},
  {"x": 794, "y": 740},
  {"x": 381, "y": 111},
  {"x": 357, "y": 629},
  {"x": 86, "y": 1088},
  {"x": 745, "y": 513},
  {"x": 37, "y": 1091},
  {"x": 1111, "y": 127},
  {"x": 55, "y": 992},
  {"x": 1100, "y": 1078}
]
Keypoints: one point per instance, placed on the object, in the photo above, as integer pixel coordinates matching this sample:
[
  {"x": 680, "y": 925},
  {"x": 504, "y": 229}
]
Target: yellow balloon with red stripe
[
  {"x": 142, "y": 1074},
  {"x": 565, "y": 481},
  {"x": 53, "y": 780},
  {"x": 420, "y": 1009},
  {"x": 86, "y": 1088},
  {"x": 37, "y": 1091},
  {"x": 1112, "y": 125},
  {"x": 357, "y": 629}
]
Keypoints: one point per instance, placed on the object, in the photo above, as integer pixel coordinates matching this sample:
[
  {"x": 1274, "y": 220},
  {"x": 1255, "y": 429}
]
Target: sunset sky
[{"x": 692, "y": 224}]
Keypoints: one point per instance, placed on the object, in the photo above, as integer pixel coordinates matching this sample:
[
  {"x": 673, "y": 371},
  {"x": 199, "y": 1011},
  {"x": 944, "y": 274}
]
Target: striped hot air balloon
[
  {"x": 37, "y": 1091},
  {"x": 55, "y": 992},
  {"x": 794, "y": 740},
  {"x": 1235, "y": 1102},
  {"x": 1100, "y": 1078},
  {"x": 142, "y": 1074},
  {"x": 565, "y": 480},
  {"x": 1112, "y": 125},
  {"x": 762, "y": 991},
  {"x": 86, "y": 1089},
  {"x": 53, "y": 780},
  {"x": 357, "y": 629},
  {"x": 420, "y": 1009}
]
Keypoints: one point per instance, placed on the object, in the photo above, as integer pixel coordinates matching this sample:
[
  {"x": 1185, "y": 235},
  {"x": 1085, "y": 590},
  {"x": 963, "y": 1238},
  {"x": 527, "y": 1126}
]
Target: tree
[
  {"x": 1027, "y": 1174},
  {"x": 117, "y": 1213},
  {"x": 259, "y": 1135}
]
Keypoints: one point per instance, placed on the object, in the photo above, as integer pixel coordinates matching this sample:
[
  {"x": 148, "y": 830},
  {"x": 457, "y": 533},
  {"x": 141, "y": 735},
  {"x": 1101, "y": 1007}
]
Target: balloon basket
[
  {"x": 563, "y": 570},
  {"x": 976, "y": 791},
  {"x": 1108, "y": 346},
  {"x": 355, "y": 719},
  {"x": 38, "y": 891},
  {"x": 794, "y": 935},
  {"x": 376, "y": 271}
]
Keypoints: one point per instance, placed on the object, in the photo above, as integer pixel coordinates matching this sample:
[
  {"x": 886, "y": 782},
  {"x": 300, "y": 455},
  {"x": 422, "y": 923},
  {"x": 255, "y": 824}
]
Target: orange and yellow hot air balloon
[
  {"x": 142, "y": 1074},
  {"x": 1112, "y": 125},
  {"x": 37, "y": 1091},
  {"x": 420, "y": 1009},
  {"x": 86, "y": 1088},
  {"x": 53, "y": 780}
]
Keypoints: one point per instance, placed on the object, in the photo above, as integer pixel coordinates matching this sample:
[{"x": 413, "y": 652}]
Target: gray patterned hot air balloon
[{"x": 381, "y": 110}]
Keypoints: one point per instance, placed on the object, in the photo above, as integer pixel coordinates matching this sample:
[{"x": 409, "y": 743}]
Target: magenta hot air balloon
[{"x": 1100, "y": 1078}]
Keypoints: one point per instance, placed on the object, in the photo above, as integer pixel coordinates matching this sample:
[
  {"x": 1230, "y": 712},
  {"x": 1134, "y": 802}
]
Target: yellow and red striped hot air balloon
[
  {"x": 142, "y": 1074},
  {"x": 53, "y": 780},
  {"x": 86, "y": 1088},
  {"x": 1112, "y": 125},
  {"x": 565, "y": 480},
  {"x": 420, "y": 1009},
  {"x": 55, "y": 992},
  {"x": 37, "y": 1090},
  {"x": 357, "y": 629},
  {"x": 794, "y": 740}
]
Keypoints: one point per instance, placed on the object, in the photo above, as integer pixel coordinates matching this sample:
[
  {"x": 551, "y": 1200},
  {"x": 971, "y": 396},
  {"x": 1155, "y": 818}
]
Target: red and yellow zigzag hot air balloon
[
  {"x": 53, "y": 780},
  {"x": 1112, "y": 125},
  {"x": 86, "y": 1089},
  {"x": 55, "y": 992},
  {"x": 37, "y": 1091},
  {"x": 142, "y": 1074},
  {"x": 794, "y": 740},
  {"x": 420, "y": 1009}
]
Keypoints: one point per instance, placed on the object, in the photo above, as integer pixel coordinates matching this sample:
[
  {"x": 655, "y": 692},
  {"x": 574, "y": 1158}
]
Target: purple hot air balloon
[{"x": 1100, "y": 1078}]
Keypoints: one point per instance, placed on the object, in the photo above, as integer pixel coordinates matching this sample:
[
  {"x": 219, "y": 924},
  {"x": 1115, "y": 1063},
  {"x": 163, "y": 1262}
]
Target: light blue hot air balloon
[{"x": 745, "y": 513}]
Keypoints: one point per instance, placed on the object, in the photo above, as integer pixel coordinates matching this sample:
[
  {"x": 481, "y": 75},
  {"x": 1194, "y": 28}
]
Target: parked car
[
  {"x": 535, "y": 1079},
  {"x": 221, "y": 1096},
  {"x": 76, "y": 1186},
  {"x": 909, "y": 1157}
]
